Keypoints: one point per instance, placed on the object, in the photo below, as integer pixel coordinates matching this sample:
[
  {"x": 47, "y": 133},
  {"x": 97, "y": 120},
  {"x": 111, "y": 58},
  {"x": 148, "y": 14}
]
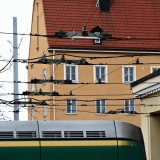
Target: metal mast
[{"x": 15, "y": 68}]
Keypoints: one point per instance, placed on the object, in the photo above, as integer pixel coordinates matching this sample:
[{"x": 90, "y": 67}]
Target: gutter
[{"x": 104, "y": 51}]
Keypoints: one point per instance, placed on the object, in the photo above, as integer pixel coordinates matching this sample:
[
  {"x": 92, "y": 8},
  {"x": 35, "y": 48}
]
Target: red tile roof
[{"x": 137, "y": 19}]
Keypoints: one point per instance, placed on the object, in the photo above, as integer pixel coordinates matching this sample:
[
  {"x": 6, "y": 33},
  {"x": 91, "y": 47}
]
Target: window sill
[
  {"x": 127, "y": 82},
  {"x": 100, "y": 83},
  {"x": 74, "y": 81},
  {"x": 71, "y": 113},
  {"x": 127, "y": 114},
  {"x": 101, "y": 114}
]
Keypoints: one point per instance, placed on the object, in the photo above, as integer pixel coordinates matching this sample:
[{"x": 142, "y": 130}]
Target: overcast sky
[{"x": 22, "y": 9}]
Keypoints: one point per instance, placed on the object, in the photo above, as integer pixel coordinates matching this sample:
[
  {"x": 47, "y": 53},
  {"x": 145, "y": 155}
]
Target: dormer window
[
  {"x": 97, "y": 30},
  {"x": 97, "y": 41}
]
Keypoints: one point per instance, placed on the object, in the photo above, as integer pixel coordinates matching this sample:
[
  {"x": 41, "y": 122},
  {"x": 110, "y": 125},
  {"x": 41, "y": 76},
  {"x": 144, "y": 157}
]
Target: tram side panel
[
  {"x": 19, "y": 149},
  {"x": 78, "y": 140},
  {"x": 79, "y": 149},
  {"x": 131, "y": 150},
  {"x": 130, "y": 142},
  {"x": 19, "y": 140}
]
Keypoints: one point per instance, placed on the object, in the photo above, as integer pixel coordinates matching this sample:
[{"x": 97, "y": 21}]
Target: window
[
  {"x": 100, "y": 73},
  {"x": 129, "y": 74},
  {"x": 32, "y": 113},
  {"x": 153, "y": 69},
  {"x": 44, "y": 74},
  {"x": 129, "y": 105},
  {"x": 32, "y": 86},
  {"x": 101, "y": 106},
  {"x": 97, "y": 41},
  {"x": 71, "y": 106},
  {"x": 71, "y": 73},
  {"x": 44, "y": 111}
]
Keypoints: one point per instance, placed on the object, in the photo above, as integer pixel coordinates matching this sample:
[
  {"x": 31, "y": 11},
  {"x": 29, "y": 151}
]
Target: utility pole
[{"x": 15, "y": 69}]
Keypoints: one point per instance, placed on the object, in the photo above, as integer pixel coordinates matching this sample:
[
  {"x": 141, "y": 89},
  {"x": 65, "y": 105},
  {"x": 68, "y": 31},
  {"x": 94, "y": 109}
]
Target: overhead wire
[
  {"x": 78, "y": 83},
  {"x": 95, "y": 80},
  {"x": 53, "y": 36},
  {"x": 1, "y": 70},
  {"x": 110, "y": 112},
  {"x": 104, "y": 75},
  {"x": 85, "y": 57},
  {"x": 83, "y": 100},
  {"x": 83, "y": 15},
  {"x": 57, "y": 64},
  {"x": 37, "y": 35},
  {"x": 64, "y": 44},
  {"x": 138, "y": 96}
]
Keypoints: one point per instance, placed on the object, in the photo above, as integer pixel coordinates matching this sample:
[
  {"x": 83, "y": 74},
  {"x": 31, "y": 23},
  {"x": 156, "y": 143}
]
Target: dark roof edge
[{"x": 154, "y": 74}]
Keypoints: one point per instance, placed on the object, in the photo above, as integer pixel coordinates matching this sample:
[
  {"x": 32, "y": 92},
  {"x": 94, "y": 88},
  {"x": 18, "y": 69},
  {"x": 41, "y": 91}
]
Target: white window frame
[
  {"x": 44, "y": 111},
  {"x": 154, "y": 67},
  {"x": 44, "y": 74},
  {"x": 105, "y": 77},
  {"x": 32, "y": 86},
  {"x": 71, "y": 112},
  {"x": 97, "y": 41},
  {"x": 129, "y": 100},
  {"x": 100, "y": 106},
  {"x": 134, "y": 74},
  {"x": 32, "y": 113},
  {"x": 76, "y": 73}
]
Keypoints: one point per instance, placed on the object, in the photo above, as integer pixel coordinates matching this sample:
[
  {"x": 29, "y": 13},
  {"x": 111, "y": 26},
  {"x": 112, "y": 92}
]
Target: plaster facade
[{"x": 114, "y": 90}]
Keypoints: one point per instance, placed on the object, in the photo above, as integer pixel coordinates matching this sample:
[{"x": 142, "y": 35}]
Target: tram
[{"x": 70, "y": 140}]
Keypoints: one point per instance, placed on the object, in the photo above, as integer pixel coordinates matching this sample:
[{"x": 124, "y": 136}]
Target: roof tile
[{"x": 137, "y": 19}]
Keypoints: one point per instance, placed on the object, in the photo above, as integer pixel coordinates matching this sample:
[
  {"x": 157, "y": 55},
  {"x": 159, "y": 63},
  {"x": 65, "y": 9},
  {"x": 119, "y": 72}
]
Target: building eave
[
  {"x": 104, "y": 50},
  {"x": 154, "y": 74},
  {"x": 147, "y": 91}
]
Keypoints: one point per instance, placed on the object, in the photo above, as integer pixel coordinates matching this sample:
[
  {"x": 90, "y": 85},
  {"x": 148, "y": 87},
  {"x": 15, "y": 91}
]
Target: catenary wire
[{"x": 53, "y": 36}]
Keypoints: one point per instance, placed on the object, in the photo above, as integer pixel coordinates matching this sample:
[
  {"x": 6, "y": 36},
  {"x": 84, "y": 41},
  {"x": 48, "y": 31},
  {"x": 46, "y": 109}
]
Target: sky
[{"x": 22, "y": 9}]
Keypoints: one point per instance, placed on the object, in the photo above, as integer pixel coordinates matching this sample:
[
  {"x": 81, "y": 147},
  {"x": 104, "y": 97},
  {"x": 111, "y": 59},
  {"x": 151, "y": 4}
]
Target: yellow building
[{"x": 121, "y": 54}]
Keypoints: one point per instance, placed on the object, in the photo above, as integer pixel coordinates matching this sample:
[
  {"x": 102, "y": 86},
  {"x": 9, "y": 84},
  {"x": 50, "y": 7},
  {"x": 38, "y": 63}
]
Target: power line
[
  {"x": 77, "y": 62},
  {"x": 115, "y": 112},
  {"x": 55, "y": 36},
  {"x": 101, "y": 77},
  {"x": 84, "y": 57},
  {"x": 40, "y": 93},
  {"x": 43, "y": 102},
  {"x": 111, "y": 112},
  {"x": 60, "y": 83}
]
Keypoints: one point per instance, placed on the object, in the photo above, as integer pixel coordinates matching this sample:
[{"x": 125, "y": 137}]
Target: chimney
[{"x": 104, "y": 5}]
